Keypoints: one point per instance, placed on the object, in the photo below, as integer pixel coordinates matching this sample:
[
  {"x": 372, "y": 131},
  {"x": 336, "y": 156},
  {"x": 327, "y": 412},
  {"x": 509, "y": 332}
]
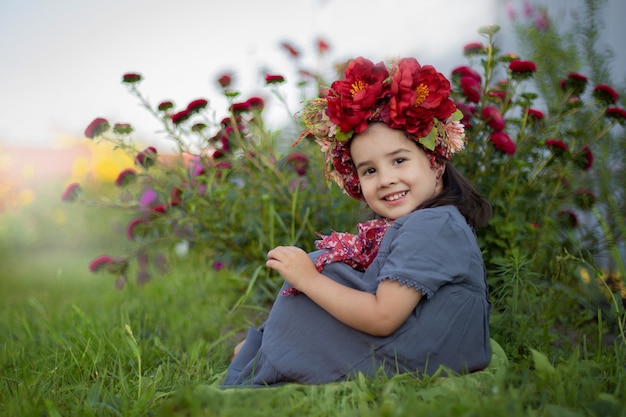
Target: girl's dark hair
[{"x": 458, "y": 191}]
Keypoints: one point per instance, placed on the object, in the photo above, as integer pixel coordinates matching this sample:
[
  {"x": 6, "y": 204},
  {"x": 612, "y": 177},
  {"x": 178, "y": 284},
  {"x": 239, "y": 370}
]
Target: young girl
[{"x": 408, "y": 293}]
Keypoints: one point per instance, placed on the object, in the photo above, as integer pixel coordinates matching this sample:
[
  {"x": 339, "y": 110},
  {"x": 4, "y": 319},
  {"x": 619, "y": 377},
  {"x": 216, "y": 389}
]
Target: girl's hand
[{"x": 292, "y": 263}]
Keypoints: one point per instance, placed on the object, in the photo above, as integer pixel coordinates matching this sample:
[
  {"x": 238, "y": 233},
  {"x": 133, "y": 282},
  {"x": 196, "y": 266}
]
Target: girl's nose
[{"x": 386, "y": 178}]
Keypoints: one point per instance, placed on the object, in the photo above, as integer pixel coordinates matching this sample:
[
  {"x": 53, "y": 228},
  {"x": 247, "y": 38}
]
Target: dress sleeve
[{"x": 430, "y": 249}]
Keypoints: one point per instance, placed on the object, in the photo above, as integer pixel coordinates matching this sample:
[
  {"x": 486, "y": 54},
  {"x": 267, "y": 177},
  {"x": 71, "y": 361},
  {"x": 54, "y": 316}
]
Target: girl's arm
[{"x": 377, "y": 314}]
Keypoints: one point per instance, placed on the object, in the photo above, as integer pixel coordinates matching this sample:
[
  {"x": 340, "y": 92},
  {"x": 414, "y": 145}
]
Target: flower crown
[{"x": 408, "y": 96}]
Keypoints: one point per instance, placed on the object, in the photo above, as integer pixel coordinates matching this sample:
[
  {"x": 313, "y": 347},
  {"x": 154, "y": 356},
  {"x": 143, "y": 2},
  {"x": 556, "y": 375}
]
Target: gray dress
[{"x": 432, "y": 250}]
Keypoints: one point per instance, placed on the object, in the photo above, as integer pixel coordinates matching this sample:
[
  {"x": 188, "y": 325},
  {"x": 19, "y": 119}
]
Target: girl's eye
[
  {"x": 398, "y": 161},
  {"x": 368, "y": 171}
]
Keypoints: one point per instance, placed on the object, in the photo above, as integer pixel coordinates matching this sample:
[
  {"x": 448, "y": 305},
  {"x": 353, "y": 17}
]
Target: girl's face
[{"x": 394, "y": 172}]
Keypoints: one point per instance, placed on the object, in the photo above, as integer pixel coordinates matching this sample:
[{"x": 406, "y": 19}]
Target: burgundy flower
[
  {"x": 181, "y": 116},
  {"x": 274, "y": 79},
  {"x": 131, "y": 233},
  {"x": 605, "y": 94},
  {"x": 616, "y": 113},
  {"x": 126, "y": 177},
  {"x": 299, "y": 162},
  {"x": 225, "y": 80},
  {"x": 522, "y": 69},
  {"x": 322, "y": 46},
  {"x": 350, "y": 101},
  {"x": 534, "y": 114},
  {"x": 557, "y": 146},
  {"x": 97, "y": 127},
  {"x": 71, "y": 193},
  {"x": 471, "y": 88},
  {"x": 468, "y": 111},
  {"x": 100, "y": 262},
  {"x": 255, "y": 103},
  {"x": 584, "y": 158},
  {"x": 196, "y": 105},
  {"x": 473, "y": 48},
  {"x": 165, "y": 105},
  {"x": 418, "y": 94},
  {"x": 291, "y": 50},
  {"x": 575, "y": 82},
  {"x": 493, "y": 118},
  {"x": 465, "y": 71},
  {"x": 502, "y": 141},
  {"x": 122, "y": 128},
  {"x": 568, "y": 218},
  {"x": 147, "y": 157},
  {"x": 131, "y": 78},
  {"x": 218, "y": 265},
  {"x": 159, "y": 208},
  {"x": 237, "y": 108}
]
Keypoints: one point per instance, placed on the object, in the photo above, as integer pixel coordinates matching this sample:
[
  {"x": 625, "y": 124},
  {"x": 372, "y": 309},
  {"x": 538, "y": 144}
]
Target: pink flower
[
  {"x": 299, "y": 162},
  {"x": 131, "y": 78},
  {"x": 218, "y": 265},
  {"x": 493, "y": 118},
  {"x": 455, "y": 131},
  {"x": 616, "y": 113},
  {"x": 130, "y": 229},
  {"x": 274, "y": 79},
  {"x": 148, "y": 197},
  {"x": 97, "y": 127},
  {"x": 225, "y": 80},
  {"x": 605, "y": 93},
  {"x": 126, "y": 177},
  {"x": 502, "y": 141},
  {"x": 471, "y": 88},
  {"x": 71, "y": 193}
]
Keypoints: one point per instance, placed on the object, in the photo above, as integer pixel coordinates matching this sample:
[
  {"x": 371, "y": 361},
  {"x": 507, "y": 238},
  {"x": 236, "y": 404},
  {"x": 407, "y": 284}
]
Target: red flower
[
  {"x": 473, "y": 48},
  {"x": 290, "y": 49},
  {"x": 274, "y": 79},
  {"x": 160, "y": 208},
  {"x": 418, "y": 94},
  {"x": 584, "y": 158},
  {"x": 126, "y": 177},
  {"x": 502, "y": 141},
  {"x": 465, "y": 71},
  {"x": 240, "y": 107},
  {"x": 180, "y": 117},
  {"x": 71, "y": 192},
  {"x": 568, "y": 218},
  {"x": 225, "y": 80},
  {"x": 350, "y": 101},
  {"x": 147, "y": 158},
  {"x": 494, "y": 118},
  {"x": 97, "y": 127},
  {"x": 130, "y": 229},
  {"x": 165, "y": 105},
  {"x": 522, "y": 69},
  {"x": 534, "y": 114},
  {"x": 255, "y": 103},
  {"x": 616, "y": 113},
  {"x": 299, "y": 162},
  {"x": 131, "y": 78},
  {"x": 468, "y": 111},
  {"x": 471, "y": 88},
  {"x": 100, "y": 263},
  {"x": 605, "y": 93},
  {"x": 322, "y": 46},
  {"x": 574, "y": 82},
  {"x": 558, "y": 146},
  {"x": 122, "y": 128},
  {"x": 196, "y": 105}
]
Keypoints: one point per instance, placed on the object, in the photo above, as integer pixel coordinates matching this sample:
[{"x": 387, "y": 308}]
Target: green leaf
[
  {"x": 429, "y": 141},
  {"x": 542, "y": 364}
]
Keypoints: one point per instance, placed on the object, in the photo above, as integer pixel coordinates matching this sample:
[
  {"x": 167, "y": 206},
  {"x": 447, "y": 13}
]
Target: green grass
[{"x": 71, "y": 344}]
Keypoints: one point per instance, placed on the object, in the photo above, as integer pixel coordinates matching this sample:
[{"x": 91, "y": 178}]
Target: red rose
[
  {"x": 350, "y": 101},
  {"x": 493, "y": 118},
  {"x": 502, "y": 141},
  {"x": 418, "y": 94},
  {"x": 471, "y": 88}
]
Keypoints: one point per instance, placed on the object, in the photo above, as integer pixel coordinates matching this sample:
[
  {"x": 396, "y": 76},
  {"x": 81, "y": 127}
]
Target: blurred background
[{"x": 62, "y": 63}]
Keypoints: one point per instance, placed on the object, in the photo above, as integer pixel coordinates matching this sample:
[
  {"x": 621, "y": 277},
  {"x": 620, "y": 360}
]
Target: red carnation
[
  {"x": 131, "y": 78},
  {"x": 473, "y": 48},
  {"x": 493, "y": 118},
  {"x": 350, "y": 101},
  {"x": 605, "y": 93},
  {"x": 522, "y": 69},
  {"x": 126, "y": 177},
  {"x": 465, "y": 71},
  {"x": 471, "y": 89},
  {"x": 274, "y": 79},
  {"x": 616, "y": 113},
  {"x": 71, "y": 192},
  {"x": 225, "y": 80},
  {"x": 196, "y": 105},
  {"x": 97, "y": 127},
  {"x": 502, "y": 141},
  {"x": 418, "y": 94}
]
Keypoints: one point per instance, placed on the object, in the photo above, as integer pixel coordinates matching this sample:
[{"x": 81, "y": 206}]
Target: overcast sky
[{"x": 61, "y": 61}]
